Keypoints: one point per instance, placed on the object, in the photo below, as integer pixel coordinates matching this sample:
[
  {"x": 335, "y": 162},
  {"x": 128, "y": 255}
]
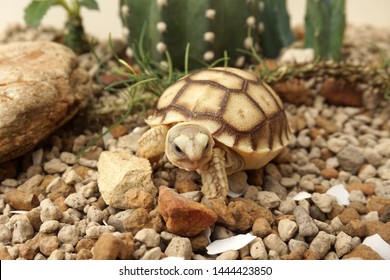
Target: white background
[{"x": 105, "y": 21}]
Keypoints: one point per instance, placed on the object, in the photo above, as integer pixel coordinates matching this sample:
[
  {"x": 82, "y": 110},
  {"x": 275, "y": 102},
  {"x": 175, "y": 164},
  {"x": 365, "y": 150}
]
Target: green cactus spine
[
  {"x": 324, "y": 27},
  {"x": 211, "y": 27}
]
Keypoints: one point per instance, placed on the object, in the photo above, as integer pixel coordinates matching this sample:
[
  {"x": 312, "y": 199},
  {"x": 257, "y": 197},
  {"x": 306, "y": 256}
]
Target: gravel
[{"x": 331, "y": 145}]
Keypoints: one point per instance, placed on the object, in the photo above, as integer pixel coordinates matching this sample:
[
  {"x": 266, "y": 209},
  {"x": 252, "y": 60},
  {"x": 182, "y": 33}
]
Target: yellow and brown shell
[{"x": 240, "y": 111}]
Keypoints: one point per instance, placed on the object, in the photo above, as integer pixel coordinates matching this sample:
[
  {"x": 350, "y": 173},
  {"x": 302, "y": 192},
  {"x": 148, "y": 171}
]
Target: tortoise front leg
[
  {"x": 152, "y": 142},
  {"x": 214, "y": 179}
]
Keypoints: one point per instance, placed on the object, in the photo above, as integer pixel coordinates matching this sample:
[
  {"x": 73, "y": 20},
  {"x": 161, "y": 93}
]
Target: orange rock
[
  {"x": 380, "y": 228},
  {"x": 183, "y": 216},
  {"x": 327, "y": 125},
  {"x": 110, "y": 247},
  {"x": 119, "y": 131},
  {"x": 136, "y": 198},
  {"x": 367, "y": 189},
  {"x": 377, "y": 203},
  {"x": 356, "y": 228},
  {"x": 341, "y": 92},
  {"x": 329, "y": 173},
  {"x": 363, "y": 252},
  {"x": 348, "y": 215},
  {"x": 20, "y": 200}
]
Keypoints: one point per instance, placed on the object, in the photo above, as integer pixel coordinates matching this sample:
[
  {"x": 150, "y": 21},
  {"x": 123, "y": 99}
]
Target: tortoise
[{"x": 217, "y": 121}]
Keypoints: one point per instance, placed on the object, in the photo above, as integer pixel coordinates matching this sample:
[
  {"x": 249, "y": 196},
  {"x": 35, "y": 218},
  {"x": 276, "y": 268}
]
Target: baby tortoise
[{"x": 217, "y": 121}]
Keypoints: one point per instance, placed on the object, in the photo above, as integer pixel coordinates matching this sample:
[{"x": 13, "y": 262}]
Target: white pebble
[
  {"x": 228, "y": 255},
  {"x": 179, "y": 247},
  {"x": 55, "y": 166},
  {"x": 287, "y": 229},
  {"x": 257, "y": 249},
  {"x": 49, "y": 226},
  {"x": 149, "y": 237},
  {"x": 76, "y": 201},
  {"x": 68, "y": 234}
]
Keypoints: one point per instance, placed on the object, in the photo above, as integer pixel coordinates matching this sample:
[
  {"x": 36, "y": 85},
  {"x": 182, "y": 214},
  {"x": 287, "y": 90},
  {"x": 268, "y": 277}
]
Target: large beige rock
[
  {"x": 41, "y": 87},
  {"x": 120, "y": 174}
]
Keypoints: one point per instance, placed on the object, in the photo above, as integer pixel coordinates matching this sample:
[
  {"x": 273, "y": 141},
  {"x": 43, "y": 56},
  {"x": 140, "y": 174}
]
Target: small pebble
[
  {"x": 323, "y": 201},
  {"x": 68, "y": 234},
  {"x": 228, "y": 255},
  {"x": 322, "y": 243},
  {"x": 343, "y": 244},
  {"x": 268, "y": 199},
  {"x": 152, "y": 254},
  {"x": 49, "y": 226},
  {"x": 149, "y": 237},
  {"x": 257, "y": 250},
  {"x": 55, "y": 166},
  {"x": 305, "y": 223},
  {"x": 76, "y": 201},
  {"x": 287, "y": 229},
  {"x": 179, "y": 247},
  {"x": 273, "y": 242}
]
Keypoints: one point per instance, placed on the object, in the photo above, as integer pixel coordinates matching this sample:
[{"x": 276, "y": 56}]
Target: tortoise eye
[{"x": 177, "y": 150}]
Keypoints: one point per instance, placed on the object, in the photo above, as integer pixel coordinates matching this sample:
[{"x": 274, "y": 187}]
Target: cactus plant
[
  {"x": 210, "y": 27},
  {"x": 74, "y": 35},
  {"x": 324, "y": 27}
]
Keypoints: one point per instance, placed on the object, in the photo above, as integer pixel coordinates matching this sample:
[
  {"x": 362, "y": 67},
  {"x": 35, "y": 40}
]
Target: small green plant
[
  {"x": 324, "y": 28},
  {"x": 74, "y": 35}
]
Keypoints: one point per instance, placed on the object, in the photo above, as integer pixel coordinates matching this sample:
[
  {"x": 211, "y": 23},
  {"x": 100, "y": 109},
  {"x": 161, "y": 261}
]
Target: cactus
[
  {"x": 210, "y": 27},
  {"x": 324, "y": 27}
]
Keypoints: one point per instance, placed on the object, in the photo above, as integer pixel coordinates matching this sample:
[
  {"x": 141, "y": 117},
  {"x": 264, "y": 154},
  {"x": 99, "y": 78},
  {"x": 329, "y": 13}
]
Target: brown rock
[
  {"x": 109, "y": 247},
  {"x": 367, "y": 189},
  {"x": 48, "y": 244},
  {"x": 34, "y": 185},
  {"x": 60, "y": 203},
  {"x": 140, "y": 218},
  {"x": 42, "y": 87},
  {"x": 341, "y": 92},
  {"x": 100, "y": 203},
  {"x": 119, "y": 131},
  {"x": 184, "y": 216},
  {"x": 186, "y": 186},
  {"x": 34, "y": 216},
  {"x": 60, "y": 190},
  {"x": 137, "y": 220},
  {"x": 261, "y": 227},
  {"x": 137, "y": 198},
  {"x": 356, "y": 228},
  {"x": 363, "y": 252},
  {"x": 20, "y": 200},
  {"x": 25, "y": 251},
  {"x": 294, "y": 91},
  {"x": 82, "y": 171},
  {"x": 329, "y": 173},
  {"x": 360, "y": 207},
  {"x": 246, "y": 211},
  {"x": 199, "y": 243},
  {"x": 320, "y": 163},
  {"x": 329, "y": 126},
  {"x": 84, "y": 254},
  {"x": 377, "y": 203},
  {"x": 85, "y": 244},
  {"x": 380, "y": 228},
  {"x": 221, "y": 209},
  {"x": 336, "y": 210},
  {"x": 4, "y": 255},
  {"x": 348, "y": 215}
]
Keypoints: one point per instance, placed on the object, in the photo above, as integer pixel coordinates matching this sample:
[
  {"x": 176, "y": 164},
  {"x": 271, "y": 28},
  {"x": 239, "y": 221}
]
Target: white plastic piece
[
  {"x": 340, "y": 193},
  {"x": 232, "y": 243},
  {"x": 378, "y": 245},
  {"x": 301, "y": 196}
]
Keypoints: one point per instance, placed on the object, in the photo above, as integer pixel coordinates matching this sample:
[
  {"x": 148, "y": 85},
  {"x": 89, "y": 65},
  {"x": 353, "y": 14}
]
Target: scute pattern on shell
[{"x": 240, "y": 111}]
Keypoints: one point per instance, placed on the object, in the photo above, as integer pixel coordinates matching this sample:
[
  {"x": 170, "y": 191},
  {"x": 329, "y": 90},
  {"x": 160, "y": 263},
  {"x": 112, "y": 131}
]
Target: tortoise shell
[{"x": 240, "y": 111}]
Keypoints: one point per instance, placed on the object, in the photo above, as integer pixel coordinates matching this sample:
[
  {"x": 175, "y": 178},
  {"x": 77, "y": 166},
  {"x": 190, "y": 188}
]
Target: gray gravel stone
[
  {"x": 336, "y": 144},
  {"x": 5, "y": 235},
  {"x": 76, "y": 201},
  {"x": 68, "y": 234},
  {"x": 50, "y": 213},
  {"x": 305, "y": 223},
  {"x": 22, "y": 230},
  {"x": 268, "y": 199},
  {"x": 351, "y": 158},
  {"x": 55, "y": 166},
  {"x": 322, "y": 243},
  {"x": 287, "y": 206}
]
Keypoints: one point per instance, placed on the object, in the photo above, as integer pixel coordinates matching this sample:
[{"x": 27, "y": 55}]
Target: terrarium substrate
[{"x": 332, "y": 145}]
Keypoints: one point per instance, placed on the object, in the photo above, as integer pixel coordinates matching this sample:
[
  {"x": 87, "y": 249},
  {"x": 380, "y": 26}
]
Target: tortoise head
[{"x": 189, "y": 145}]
